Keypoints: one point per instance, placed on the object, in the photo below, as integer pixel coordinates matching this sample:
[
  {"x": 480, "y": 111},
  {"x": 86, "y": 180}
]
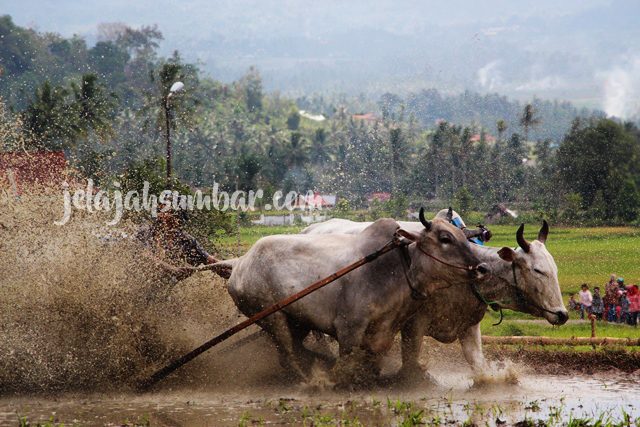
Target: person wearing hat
[{"x": 173, "y": 251}]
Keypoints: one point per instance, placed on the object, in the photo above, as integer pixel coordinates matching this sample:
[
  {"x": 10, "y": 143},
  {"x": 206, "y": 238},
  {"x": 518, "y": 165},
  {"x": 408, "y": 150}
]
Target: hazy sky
[
  {"x": 188, "y": 19},
  {"x": 542, "y": 30}
]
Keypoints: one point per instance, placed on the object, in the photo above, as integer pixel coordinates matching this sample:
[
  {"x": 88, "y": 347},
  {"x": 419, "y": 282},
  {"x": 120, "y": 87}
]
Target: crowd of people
[{"x": 620, "y": 303}]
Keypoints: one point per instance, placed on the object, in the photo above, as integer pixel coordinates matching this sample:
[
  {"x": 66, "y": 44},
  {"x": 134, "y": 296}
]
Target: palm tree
[
  {"x": 158, "y": 112},
  {"x": 49, "y": 119},
  {"x": 528, "y": 120},
  {"x": 322, "y": 152},
  {"x": 298, "y": 150},
  {"x": 502, "y": 128},
  {"x": 94, "y": 108}
]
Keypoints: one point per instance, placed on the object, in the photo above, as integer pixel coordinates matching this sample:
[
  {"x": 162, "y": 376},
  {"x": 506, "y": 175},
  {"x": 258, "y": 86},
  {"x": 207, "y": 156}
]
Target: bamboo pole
[{"x": 573, "y": 341}]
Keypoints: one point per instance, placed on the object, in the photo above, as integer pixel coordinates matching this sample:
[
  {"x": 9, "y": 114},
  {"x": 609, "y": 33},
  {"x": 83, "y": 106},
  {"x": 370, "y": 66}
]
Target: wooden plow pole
[
  {"x": 573, "y": 341},
  {"x": 145, "y": 385}
]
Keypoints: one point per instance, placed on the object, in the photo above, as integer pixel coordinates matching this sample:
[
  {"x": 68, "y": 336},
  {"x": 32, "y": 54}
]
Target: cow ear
[
  {"x": 407, "y": 235},
  {"x": 507, "y": 254}
]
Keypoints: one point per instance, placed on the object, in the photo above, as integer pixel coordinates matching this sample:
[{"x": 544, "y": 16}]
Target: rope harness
[{"x": 519, "y": 297}]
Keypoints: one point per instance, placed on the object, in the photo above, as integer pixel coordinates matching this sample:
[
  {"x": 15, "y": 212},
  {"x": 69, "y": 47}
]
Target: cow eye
[
  {"x": 445, "y": 240},
  {"x": 538, "y": 271}
]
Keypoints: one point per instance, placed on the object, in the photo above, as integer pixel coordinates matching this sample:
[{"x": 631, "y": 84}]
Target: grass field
[{"x": 583, "y": 255}]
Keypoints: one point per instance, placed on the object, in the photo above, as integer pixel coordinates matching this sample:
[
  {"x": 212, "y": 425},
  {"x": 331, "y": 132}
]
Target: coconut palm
[
  {"x": 93, "y": 107},
  {"x": 322, "y": 151},
  {"x": 502, "y": 128},
  {"x": 529, "y": 119},
  {"x": 297, "y": 151},
  {"x": 49, "y": 118}
]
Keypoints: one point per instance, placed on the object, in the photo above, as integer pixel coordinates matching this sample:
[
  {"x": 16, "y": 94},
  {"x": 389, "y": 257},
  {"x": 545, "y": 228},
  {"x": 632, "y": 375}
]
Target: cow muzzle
[
  {"x": 556, "y": 318},
  {"x": 482, "y": 272},
  {"x": 562, "y": 316}
]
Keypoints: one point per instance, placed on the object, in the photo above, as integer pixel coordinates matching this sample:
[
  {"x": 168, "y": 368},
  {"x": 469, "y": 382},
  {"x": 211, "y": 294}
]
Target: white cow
[
  {"x": 364, "y": 309},
  {"x": 525, "y": 279}
]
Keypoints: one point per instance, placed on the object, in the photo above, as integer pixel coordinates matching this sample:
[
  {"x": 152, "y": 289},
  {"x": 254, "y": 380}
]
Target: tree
[
  {"x": 601, "y": 156},
  {"x": 109, "y": 60},
  {"x": 57, "y": 120},
  {"x": 17, "y": 49},
  {"x": 93, "y": 106},
  {"x": 49, "y": 118},
  {"x": 321, "y": 150},
  {"x": 293, "y": 121},
  {"x": 628, "y": 201},
  {"x": 464, "y": 201},
  {"x": 298, "y": 150},
  {"x": 397, "y": 149},
  {"x": 250, "y": 86},
  {"x": 529, "y": 120},
  {"x": 502, "y": 127}
]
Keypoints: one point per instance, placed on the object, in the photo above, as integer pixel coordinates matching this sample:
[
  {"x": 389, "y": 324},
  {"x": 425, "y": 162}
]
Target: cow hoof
[{"x": 415, "y": 376}]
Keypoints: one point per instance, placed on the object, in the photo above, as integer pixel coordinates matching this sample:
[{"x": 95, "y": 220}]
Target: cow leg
[
  {"x": 356, "y": 365},
  {"x": 288, "y": 343},
  {"x": 411, "y": 344},
  {"x": 471, "y": 342},
  {"x": 305, "y": 356}
]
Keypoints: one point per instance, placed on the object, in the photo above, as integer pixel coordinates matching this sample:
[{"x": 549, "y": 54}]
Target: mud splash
[{"x": 83, "y": 309}]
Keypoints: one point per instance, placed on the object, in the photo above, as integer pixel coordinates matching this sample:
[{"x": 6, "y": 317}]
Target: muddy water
[
  {"x": 83, "y": 319},
  {"x": 551, "y": 398}
]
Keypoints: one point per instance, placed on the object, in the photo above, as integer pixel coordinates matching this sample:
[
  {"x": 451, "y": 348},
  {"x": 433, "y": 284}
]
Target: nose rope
[{"x": 467, "y": 268}]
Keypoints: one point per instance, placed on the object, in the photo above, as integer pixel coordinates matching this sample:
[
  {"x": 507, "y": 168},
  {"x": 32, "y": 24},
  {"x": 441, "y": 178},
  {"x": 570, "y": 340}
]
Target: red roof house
[{"x": 20, "y": 169}]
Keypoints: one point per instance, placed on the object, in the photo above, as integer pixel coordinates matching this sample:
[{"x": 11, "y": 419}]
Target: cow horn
[
  {"x": 522, "y": 242},
  {"x": 449, "y": 216},
  {"x": 544, "y": 231},
  {"x": 427, "y": 224}
]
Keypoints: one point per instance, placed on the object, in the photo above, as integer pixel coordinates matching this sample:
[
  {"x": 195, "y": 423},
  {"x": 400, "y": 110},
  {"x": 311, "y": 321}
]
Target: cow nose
[
  {"x": 563, "y": 316},
  {"x": 484, "y": 269}
]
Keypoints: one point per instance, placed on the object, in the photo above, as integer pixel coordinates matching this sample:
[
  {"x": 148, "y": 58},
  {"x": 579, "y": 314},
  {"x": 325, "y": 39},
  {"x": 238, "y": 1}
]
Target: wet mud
[{"x": 85, "y": 318}]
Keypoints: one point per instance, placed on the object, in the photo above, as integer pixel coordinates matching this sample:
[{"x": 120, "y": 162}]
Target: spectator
[
  {"x": 597, "y": 306},
  {"x": 621, "y": 289},
  {"x": 573, "y": 304},
  {"x": 624, "y": 308},
  {"x": 611, "y": 298},
  {"x": 585, "y": 300},
  {"x": 634, "y": 304}
]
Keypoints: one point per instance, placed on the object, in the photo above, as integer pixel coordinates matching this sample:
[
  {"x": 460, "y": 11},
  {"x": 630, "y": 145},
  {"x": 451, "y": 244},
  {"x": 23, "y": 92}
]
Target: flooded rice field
[
  {"x": 269, "y": 399},
  {"x": 84, "y": 320}
]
